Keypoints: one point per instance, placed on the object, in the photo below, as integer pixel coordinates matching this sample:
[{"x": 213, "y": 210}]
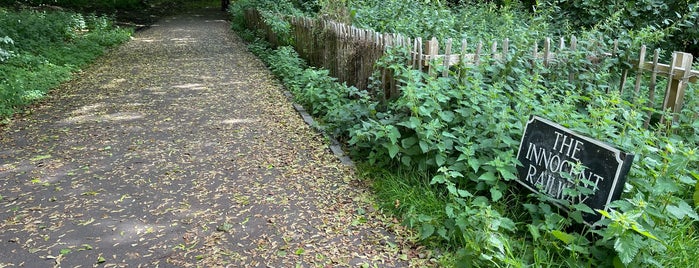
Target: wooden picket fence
[{"x": 350, "y": 54}]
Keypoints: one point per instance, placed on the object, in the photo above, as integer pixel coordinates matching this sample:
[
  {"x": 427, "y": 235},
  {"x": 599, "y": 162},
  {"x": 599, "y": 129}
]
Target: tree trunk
[{"x": 224, "y": 4}]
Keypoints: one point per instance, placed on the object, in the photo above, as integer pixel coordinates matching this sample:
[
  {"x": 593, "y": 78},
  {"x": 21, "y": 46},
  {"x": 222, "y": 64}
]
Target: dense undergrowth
[
  {"x": 40, "y": 49},
  {"x": 443, "y": 154},
  {"x": 43, "y": 41}
]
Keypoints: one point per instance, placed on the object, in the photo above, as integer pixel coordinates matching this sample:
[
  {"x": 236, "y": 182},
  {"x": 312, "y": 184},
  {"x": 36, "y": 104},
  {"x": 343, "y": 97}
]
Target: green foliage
[
  {"x": 337, "y": 106},
  {"x": 673, "y": 23},
  {"x": 5, "y": 53},
  {"x": 272, "y": 11},
  {"x": 82, "y": 4},
  {"x": 459, "y": 135},
  {"x": 474, "y": 22},
  {"x": 41, "y": 49},
  {"x": 467, "y": 130}
]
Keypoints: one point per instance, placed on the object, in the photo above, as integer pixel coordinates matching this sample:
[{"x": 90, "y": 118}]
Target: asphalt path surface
[{"x": 179, "y": 149}]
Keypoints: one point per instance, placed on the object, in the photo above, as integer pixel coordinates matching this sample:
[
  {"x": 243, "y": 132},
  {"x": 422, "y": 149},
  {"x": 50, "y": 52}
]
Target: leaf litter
[{"x": 180, "y": 149}]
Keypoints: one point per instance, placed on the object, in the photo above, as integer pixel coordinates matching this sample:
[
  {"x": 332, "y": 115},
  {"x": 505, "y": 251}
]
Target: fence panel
[{"x": 350, "y": 55}]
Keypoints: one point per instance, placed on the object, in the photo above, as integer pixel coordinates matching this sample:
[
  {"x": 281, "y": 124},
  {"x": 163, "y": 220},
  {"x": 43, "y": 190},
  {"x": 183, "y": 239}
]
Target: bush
[
  {"x": 473, "y": 22},
  {"x": 673, "y": 21}
]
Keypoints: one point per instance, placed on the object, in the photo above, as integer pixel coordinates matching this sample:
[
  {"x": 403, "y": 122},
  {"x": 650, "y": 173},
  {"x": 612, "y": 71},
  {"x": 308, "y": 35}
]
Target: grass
[
  {"x": 403, "y": 192},
  {"x": 683, "y": 246},
  {"x": 408, "y": 195}
]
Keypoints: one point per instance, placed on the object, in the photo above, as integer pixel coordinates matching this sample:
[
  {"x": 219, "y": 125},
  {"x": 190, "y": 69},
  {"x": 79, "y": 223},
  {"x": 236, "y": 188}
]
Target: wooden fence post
[
  {"x": 432, "y": 49},
  {"x": 573, "y": 49},
  {"x": 680, "y": 71},
  {"x": 447, "y": 58},
  {"x": 547, "y": 51},
  {"x": 651, "y": 87},
  {"x": 477, "y": 57},
  {"x": 639, "y": 72}
]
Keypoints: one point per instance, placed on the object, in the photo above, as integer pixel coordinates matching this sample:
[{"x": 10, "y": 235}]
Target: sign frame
[{"x": 562, "y": 146}]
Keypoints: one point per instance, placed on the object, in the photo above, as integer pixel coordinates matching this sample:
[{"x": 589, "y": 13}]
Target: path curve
[{"x": 178, "y": 149}]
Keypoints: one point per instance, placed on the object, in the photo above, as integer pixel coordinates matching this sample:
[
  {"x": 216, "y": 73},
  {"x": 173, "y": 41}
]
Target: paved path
[{"x": 179, "y": 149}]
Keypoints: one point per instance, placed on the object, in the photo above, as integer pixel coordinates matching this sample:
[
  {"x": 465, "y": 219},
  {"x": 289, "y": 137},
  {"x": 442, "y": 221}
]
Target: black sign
[{"x": 567, "y": 166}]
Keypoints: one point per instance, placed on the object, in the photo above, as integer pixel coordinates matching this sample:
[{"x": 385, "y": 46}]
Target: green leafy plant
[
  {"x": 458, "y": 136},
  {"x": 6, "y": 53},
  {"x": 39, "y": 50}
]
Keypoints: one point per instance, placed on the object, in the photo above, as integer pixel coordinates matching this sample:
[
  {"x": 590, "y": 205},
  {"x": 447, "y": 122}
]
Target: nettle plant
[
  {"x": 337, "y": 106},
  {"x": 6, "y": 53},
  {"x": 466, "y": 131}
]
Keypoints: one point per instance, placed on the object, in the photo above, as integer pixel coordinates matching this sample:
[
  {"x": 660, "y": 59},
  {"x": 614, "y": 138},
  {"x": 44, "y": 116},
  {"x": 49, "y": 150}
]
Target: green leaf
[
  {"x": 496, "y": 241},
  {"x": 627, "y": 247},
  {"x": 101, "y": 259},
  {"x": 424, "y": 146},
  {"x": 474, "y": 163},
  {"x": 40, "y": 157},
  {"x": 65, "y": 251},
  {"x": 617, "y": 263},
  {"x": 665, "y": 185},
  {"x": 440, "y": 159},
  {"x": 393, "y": 134},
  {"x": 450, "y": 211},
  {"x": 506, "y": 174},
  {"x": 447, "y": 116},
  {"x": 438, "y": 179},
  {"x": 225, "y": 227},
  {"x": 495, "y": 194},
  {"x": 534, "y": 231},
  {"x": 678, "y": 162},
  {"x": 687, "y": 180},
  {"x": 464, "y": 193},
  {"x": 443, "y": 233},
  {"x": 643, "y": 232},
  {"x": 392, "y": 149},
  {"x": 408, "y": 142},
  {"x": 413, "y": 122},
  {"x": 299, "y": 251},
  {"x": 604, "y": 213},
  {"x": 576, "y": 216},
  {"x": 488, "y": 176},
  {"x": 424, "y": 218},
  {"x": 682, "y": 210},
  {"x": 565, "y": 237},
  {"x": 584, "y": 208},
  {"x": 406, "y": 160},
  {"x": 426, "y": 230},
  {"x": 452, "y": 189}
]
